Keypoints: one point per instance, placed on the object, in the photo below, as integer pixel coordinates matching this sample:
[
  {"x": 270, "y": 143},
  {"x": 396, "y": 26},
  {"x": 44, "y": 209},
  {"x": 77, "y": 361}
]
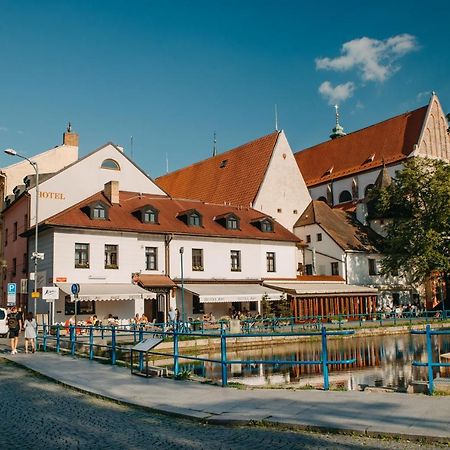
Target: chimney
[
  {"x": 70, "y": 138},
  {"x": 111, "y": 192}
]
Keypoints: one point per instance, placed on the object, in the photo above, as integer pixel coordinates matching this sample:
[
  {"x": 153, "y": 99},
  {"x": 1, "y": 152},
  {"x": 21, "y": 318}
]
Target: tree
[{"x": 417, "y": 204}]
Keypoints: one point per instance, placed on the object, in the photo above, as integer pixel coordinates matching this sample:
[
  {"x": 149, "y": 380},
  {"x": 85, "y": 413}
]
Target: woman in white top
[{"x": 30, "y": 332}]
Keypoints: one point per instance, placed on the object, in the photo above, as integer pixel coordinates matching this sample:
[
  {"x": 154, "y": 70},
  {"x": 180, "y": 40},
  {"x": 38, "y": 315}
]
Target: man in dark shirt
[{"x": 14, "y": 325}]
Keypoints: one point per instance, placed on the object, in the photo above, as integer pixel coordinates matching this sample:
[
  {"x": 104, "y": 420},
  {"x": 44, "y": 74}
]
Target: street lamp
[
  {"x": 35, "y": 255},
  {"x": 182, "y": 285}
]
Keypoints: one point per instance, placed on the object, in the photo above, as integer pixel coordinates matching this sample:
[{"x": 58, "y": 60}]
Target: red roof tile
[
  {"x": 392, "y": 140},
  {"x": 123, "y": 217},
  {"x": 233, "y": 177}
]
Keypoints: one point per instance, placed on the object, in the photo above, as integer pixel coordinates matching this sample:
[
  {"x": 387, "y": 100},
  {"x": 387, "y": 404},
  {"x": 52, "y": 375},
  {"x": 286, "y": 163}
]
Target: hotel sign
[{"x": 52, "y": 195}]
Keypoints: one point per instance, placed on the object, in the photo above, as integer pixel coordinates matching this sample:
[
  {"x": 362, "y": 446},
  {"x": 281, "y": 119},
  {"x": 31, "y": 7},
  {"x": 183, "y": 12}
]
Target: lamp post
[
  {"x": 182, "y": 284},
  {"x": 35, "y": 255}
]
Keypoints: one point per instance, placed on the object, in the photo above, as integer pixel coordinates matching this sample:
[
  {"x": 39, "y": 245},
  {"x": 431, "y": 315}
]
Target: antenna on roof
[
  {"x": 276, "y": 117},
  {"x": 214, "y": 152},
  {"x": 131, "y": 147},
  {"x": 167, "y": 163}
]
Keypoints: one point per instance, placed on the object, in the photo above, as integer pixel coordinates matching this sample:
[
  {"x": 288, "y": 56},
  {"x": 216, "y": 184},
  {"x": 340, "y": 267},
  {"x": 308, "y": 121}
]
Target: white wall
[
  {"x": 85, "y": 178},
  {"x": 283, "y": 187}
]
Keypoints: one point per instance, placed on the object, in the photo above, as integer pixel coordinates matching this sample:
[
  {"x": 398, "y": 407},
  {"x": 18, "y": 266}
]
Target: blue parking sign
[{"x": 12, "y": 288}]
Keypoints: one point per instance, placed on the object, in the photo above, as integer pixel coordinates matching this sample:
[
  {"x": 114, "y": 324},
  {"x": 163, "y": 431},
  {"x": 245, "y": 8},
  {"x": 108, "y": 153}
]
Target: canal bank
[{"x": 420, "y": 418}]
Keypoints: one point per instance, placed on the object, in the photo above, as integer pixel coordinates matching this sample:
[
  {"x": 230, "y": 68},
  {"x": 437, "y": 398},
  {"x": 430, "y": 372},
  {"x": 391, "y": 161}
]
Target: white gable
[{"x": 86, "y": 177}]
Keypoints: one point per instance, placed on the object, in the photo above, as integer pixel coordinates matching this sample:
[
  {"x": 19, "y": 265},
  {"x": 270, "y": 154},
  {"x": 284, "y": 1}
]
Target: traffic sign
[
  {"x": 50, "y": 293},
  {"x": 75, "y": 288},
  {"x": 35, "y": 294},
  {"x": 12, "y": 288}
]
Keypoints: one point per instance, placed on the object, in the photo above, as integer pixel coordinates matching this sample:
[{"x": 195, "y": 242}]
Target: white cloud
[
  {"x": 372, "y": 57},
  {"x": 3, "y": 129},
  {"x": 338, "y": 93},
  {"x": 423, "y": 95}
]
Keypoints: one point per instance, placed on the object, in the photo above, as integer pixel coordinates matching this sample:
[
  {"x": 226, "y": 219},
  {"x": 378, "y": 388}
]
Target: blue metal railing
[
  {"x": 430, "y": 363},
  {"x": 112, "y": 332}
]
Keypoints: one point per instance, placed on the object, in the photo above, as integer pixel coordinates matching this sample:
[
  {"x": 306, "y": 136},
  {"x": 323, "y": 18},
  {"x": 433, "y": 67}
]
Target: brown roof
[
  {"x": 123, "y": 217},
  {"x": 392, "y": 141},
  {"x": 343, "y": 228},
  {"x": 155, "y": 281},
  {"x": 233, "y": 177}
]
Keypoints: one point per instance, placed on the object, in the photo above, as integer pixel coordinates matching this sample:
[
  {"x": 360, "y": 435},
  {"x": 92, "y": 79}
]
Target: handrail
[
  {"x": 430, "y": 363},
  {"x": 324, "y": 362}
]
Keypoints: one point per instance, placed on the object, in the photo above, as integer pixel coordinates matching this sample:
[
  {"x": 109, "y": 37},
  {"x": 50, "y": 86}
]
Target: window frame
[
  {"x": 81, "y": 252},
  {"x": 271, "y": 262},
  {"x": 151, "y": 252},
  {"x": 15, "y": 230},
  {"x": 373, "y": 269},
  {"x": 113, "y": 166},
  {"x": 197, "y": 260},
  {"x": 111, "y": 256},
  {"x": 232, "y": 219},
  {"x": 198, "y": 218},
  {"x": 235, "y": 261},
  {"x": 267, "y": 226},
  {"x": 319, "y": 237},
  {"x": 335, "y": 268}
]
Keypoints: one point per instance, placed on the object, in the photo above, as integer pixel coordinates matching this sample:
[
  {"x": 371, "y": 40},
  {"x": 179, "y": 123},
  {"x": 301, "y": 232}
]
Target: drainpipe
[
  {"x": 346, "y": 268},
  {"x": 167, "y": 240}
]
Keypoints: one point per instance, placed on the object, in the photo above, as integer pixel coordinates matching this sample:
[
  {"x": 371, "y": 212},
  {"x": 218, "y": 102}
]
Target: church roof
[
  {"x": 233, "y": 177},
  {"x": 390, "y": 141},
  {"x": 343, "y": 228}
]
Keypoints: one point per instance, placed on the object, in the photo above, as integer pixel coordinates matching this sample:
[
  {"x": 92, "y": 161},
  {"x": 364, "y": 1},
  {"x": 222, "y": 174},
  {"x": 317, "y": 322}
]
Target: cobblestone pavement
[{"x": 40, "y": 414}]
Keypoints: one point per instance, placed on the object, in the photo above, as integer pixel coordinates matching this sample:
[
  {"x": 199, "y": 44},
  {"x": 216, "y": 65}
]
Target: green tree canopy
[{"x": 418, "y": 234}]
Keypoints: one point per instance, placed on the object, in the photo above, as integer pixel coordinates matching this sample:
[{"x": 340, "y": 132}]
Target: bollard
[
  {"x": 72, "y": 339},
  {"x": 223, "y": 357},
  {"x": 113, "y": 345},
  {"x": 175, "y": 351},
  {"x": 44, "y": 338},
  {"x": 326, "y": 385},
  {"x": 430, "y": 361},
  {"x": 58, "y": 339},
  {"x": 91, "y": 343}
]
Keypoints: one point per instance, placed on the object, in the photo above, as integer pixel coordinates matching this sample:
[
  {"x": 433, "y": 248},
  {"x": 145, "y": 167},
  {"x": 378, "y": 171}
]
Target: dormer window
[
  {"x": 232, "y": 223},
  {"x": 229, "y": 221},
  {"x": 149, "y": 214},
  {"x": 191, "y": 218},
  {"x": 265, "y": 224},
  {"x": 97, "y": 211},
  {"x": 110, "y": 164}
]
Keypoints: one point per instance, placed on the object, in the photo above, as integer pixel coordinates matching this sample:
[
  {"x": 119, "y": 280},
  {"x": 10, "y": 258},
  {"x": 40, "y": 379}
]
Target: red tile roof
[
  {"x": 343, "y": 228},
  {"x": 233, "y": 177},
  {"x": 392, "y": 140},
  {"x": 123, "y": 217}
]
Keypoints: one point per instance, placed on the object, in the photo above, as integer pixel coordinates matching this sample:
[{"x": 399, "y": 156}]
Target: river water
[{"x": 383, "y": 361}]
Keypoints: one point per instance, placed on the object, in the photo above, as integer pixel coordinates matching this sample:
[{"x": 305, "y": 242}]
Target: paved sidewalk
[{"x": 409, "y": 416}]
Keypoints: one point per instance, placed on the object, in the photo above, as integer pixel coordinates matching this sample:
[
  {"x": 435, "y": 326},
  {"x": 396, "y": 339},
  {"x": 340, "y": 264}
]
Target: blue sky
[{"x": 170, "y": 73}]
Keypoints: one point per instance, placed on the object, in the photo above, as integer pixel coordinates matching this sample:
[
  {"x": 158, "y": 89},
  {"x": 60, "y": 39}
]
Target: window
[
  {"x": 25, "y": 222},
  {"x": 223, "y": 164},
  {"x": 319, "y": 237},
  {"x": 308, "y": 269},
  {"x": 372, "y": 266},
  {"x": 334, "y": 268},
  {"x": 308, "y": 238},
  {"x": 82, "y": 256},
  {"x": 111, "y": 252},
  {"x": 270, "y": 257},
  {"x": 25, "y": 263},
  {"x": 151, "y": 258},
  {"x": 232, "y": 223},
  {"x": 266, "y": 226},
  {"x": 197, "y": 307},
  {"x": 15, "y": 232},
  {"x": 279, "y": 210},
  {"x": 197, "y": 259},
  {"x": 98, "y": 212},
  {"x": 235, "y": 260},
  {"x": 82, "y": 307},
  {"x": 345, "y": 196},
  {"x": 110, "y": 164},
  {"x": 150, "y": 216},
  {"x": 322, "y": 199},
  {"x": 14, "y": 267},
  {"x": 6, "y": 237},
  {"x": 194, "y": 219},
  {"x": 253, "y": 306},
  {"x": 295, "y": 211}
]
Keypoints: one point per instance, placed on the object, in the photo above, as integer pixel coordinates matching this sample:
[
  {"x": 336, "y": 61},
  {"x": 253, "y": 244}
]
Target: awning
[
  {"x": 158, "y": 281},
  {"x": 307, "y": 289},
  {"x": 227, "y": 293},
  {"x": 95, "y": 292}
]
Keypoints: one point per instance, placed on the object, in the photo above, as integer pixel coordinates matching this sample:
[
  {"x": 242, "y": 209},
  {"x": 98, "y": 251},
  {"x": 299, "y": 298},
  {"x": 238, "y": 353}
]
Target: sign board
[
  {"x": 35, "y": 295},
  {"x": 75, "y": 288},
  {"x": 50, "y": 293},
  {"x": 147, "y": 344},
  {"x": 11, "y": 301},
  {"x": 12, "y": 288},
  {"x": 41, "y": 278},
  {"x": 61, "y": 280}
]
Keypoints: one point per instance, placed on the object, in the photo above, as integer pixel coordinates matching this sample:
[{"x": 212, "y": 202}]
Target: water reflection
[{"x": 380, "y": 361}]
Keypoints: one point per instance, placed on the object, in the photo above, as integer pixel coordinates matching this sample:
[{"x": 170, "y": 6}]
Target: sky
[{"x": 171, "y": 73}]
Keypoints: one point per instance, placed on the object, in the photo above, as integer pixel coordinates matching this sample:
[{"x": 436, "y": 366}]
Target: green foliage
[
  {"x": 418, "y": 206},
  {"x": 184, "y": 375}
]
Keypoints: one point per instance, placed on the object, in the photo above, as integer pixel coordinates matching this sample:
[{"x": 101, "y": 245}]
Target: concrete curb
[{"x": 234, "y": 420}]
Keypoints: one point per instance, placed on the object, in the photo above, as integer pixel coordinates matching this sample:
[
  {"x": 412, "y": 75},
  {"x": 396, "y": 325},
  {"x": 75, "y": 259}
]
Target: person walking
[
  {"x": 14, "y": 325},
  {"x": 30, "y": 332}
]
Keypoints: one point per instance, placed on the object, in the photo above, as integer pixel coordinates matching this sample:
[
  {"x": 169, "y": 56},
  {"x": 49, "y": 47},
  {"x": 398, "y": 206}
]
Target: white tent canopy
[
  {"x": 90, "y": 292},
  {"x": 227, "y": 293},
  {"x": 321, "y": 288}
]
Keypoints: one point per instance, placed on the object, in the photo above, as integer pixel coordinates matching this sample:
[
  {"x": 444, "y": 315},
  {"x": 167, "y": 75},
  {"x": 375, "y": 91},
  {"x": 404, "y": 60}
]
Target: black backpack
[{"x": 12, "y": 321}]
